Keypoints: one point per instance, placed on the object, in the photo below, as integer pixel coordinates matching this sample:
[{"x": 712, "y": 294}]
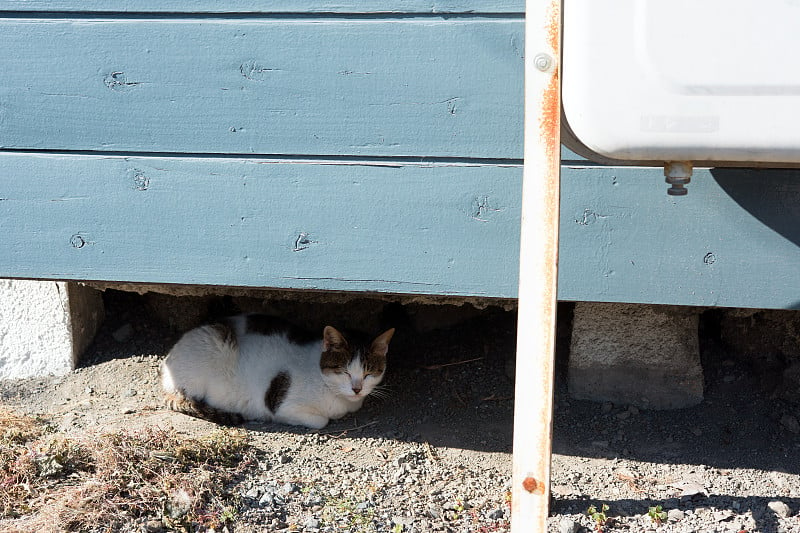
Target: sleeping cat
[{"x": 256, "y": 367}]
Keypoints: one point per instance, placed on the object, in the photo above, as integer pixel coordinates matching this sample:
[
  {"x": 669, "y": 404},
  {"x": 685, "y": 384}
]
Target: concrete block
[
  {"x": 642, "y": 355},
  {"x": 45, "y": 326}
]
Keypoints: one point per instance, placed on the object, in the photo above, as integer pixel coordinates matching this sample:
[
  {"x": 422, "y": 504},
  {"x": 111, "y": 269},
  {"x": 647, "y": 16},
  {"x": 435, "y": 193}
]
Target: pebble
[
  {"x": 779, "y": 508},
  {"x": 154, "y": 526},
  {"x": 267, "y": 499},
  {"x": 568, "y": 525},
  {"x": 675, "y": 515},
  {"x": 404, "y": 521},
  {"x": 497, "y": 514},
  {"x": 289, "y": 488}
]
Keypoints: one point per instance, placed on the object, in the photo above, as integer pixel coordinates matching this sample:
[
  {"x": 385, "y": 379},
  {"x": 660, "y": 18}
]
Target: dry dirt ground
[{"x": 720, "y": 466}]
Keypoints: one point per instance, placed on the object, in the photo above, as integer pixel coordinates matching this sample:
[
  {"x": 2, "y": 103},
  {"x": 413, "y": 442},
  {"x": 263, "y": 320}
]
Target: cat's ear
[
  {"x": 380, "y": 346},
  {"x": 331, "y": 338}
]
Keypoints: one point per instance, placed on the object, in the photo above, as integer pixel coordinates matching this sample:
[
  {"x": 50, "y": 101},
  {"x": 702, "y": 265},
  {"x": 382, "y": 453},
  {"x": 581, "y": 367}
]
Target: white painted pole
[{"x": 533, "y": 404}]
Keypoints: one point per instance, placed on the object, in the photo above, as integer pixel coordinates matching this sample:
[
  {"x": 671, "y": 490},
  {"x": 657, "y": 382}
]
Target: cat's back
[
  {"x": 236, "y": 350},
  {"x": 275, "y": 341},
  {"x": 248, "y": 334}
]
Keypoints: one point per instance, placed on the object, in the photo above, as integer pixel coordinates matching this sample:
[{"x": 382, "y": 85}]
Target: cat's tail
[{"x": 178, "y": 401}]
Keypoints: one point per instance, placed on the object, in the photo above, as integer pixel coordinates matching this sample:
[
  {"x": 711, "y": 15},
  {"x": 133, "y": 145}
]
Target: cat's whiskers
[{"x": 382, "y": 392}]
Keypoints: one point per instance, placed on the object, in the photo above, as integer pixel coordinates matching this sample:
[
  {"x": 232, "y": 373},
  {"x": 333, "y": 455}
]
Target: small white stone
[
  {"x": 675, "y": 515},
  {"x": 780, "y": 508},
  {"x": 568, "y": 525}
]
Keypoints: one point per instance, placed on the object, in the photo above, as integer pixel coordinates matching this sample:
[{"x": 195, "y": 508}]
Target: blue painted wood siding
[
  {"x": 323, "y": 146},
  {"x": 387, "y": 87},
  {"x": 441, "y": 228}
]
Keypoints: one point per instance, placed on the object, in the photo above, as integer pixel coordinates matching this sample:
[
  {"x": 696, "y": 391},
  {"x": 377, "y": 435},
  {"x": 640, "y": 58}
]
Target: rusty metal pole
[{"x": 533, "y": 404}]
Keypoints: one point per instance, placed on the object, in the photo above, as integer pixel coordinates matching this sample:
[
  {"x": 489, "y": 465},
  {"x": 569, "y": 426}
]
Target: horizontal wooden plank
[
  {"x": 419, "y": 229},
  {"x": 399, "y": 228},
  {"x": 271, "y": 6},
  {"x": 732, "y": 241},
  {"x": 365, "y": 87}
]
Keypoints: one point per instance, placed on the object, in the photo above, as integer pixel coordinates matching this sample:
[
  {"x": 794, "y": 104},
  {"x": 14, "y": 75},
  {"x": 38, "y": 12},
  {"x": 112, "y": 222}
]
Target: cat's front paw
[{"x": 308, "y": 420}]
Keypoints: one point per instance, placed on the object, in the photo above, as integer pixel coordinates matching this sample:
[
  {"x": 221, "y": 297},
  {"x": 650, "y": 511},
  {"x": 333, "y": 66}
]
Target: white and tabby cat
[{"x": 257, "y": 367}]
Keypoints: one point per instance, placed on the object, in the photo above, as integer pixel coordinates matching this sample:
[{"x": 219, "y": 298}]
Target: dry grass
[{"x": 118, "y": 481}]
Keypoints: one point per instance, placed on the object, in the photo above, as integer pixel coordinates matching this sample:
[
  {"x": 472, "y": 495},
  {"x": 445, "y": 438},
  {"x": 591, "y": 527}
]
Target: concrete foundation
[
  {"x": 45, "y": 326},
  {"x": 642, "y": 355}
]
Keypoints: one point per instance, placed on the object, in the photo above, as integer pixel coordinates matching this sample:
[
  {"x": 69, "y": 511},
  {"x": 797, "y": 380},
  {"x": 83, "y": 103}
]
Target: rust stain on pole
[
  {"x": 550, "y": 126},
  {"x": 533, "y": 486},
  {"x": 550, "y": 113}
]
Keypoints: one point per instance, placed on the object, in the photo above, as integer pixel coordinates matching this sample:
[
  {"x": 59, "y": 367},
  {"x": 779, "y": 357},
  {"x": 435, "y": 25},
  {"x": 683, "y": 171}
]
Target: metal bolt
[
  {"x": 678, "y": 174},
  {"x": 543, "y": 62}
]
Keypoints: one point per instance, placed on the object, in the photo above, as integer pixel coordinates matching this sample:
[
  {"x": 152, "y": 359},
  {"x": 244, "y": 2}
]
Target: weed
[
  {"x": 349, "y": 514},
  {"x": 657, "y": 514},
  {"x": 600, "y": 518}
]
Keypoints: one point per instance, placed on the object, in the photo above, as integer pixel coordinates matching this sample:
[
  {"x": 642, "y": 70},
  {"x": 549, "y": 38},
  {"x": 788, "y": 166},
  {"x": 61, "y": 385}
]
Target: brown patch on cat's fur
[
  {"x": 276, "y": 393},
  {"x": 374, "y": 360},
  {"x": 199, "y": 409},
  {"x": 271, "y": 325},
  {"x": 337, "y": 352}
]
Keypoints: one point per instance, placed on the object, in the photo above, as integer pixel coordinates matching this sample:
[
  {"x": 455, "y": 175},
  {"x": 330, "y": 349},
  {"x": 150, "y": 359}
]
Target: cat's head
[{"x": 352, "y": 368}]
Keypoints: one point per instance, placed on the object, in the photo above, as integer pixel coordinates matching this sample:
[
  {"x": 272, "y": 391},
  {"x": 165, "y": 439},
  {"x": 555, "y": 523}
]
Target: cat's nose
[{"x": 356, "y": 390}]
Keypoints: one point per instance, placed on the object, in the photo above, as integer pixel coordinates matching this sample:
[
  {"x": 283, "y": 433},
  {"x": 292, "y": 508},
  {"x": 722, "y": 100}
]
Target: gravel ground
[{"x": 436, "y": 454}]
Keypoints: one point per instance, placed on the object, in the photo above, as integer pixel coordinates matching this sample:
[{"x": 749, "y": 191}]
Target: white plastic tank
[{"x": 706, "y": 82}]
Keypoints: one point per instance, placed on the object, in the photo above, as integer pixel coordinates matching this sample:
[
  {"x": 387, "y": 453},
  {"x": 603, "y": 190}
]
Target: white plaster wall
[{"x": 35, "y": 329}]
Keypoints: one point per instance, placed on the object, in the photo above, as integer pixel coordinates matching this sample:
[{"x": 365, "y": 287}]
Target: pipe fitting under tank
[{"x": 678, "y": 174}]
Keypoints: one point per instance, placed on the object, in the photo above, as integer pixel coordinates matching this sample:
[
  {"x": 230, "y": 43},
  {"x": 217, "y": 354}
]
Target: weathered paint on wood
[
  {"x": 399, "y": 228},
  {"x": 268, "y": 6},
  {"x": 733, "y": 241},
  {"x": 366, "y": 87},
  {"x": 404, "y": 228}
]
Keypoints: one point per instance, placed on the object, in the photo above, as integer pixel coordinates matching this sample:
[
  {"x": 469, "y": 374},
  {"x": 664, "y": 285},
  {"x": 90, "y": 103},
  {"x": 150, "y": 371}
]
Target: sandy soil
[{"x": 717, "y": 466}]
